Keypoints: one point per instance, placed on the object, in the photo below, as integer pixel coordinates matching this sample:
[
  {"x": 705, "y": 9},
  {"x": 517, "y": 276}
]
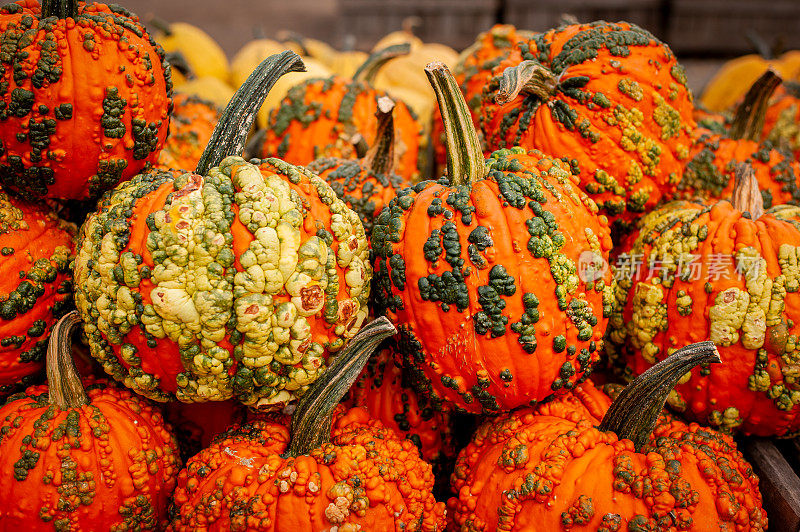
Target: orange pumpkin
[
  {"x": 37, "y": 248},
  {"x": 321, "y": 117},
  {"x": 339, "y": 470},
  {"x": 83, "y": 456},
  {"x": 612, "y": 97},
  {"x": 191, "y": 124},
  {"x": 86, "y": 96},
  {"x": 486, "y": 261},
  {"x": 583, "y": 463}
]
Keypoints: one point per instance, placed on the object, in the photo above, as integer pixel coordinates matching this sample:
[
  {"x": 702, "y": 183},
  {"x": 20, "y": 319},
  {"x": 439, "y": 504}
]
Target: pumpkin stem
[
  {"x": 62, "y": 9},
  {"x": 293, "y": 37},
  {"x": 369, "y": 69},
  {"x": 178, "y": 62},
  {"x": 360, "y": 144},
  {"x": 231, "y": 132},
  {"x": 380, "y": 157},
  {"x": 465, "y": 161},
  {"x": 746, "y": 194},
  {"x": 159, "y": 23},
  {"x": 751, "y": 113},
  {"x": 634, "y": 413},
  {"x": 527, "y": 77},
  {"x": 65, "y": 388},
  {"x": 311, "y": 421}
]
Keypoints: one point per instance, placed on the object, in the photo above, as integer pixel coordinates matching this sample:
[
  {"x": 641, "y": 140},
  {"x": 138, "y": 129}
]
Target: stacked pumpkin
[{"x": 241, "y": 288}]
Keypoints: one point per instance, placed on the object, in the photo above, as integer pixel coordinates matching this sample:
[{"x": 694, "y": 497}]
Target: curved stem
[
  {"x": 465, "y": 161},
  {"x": 60, "y": 8},
  {"x": 65, "y": 388},
  {"x": 234, "y": 125},
  {"x": 528, "y": 77},
  {"x": 360, "y": 144},
  {"x": 311, "y": 421},
  {"x": 634, "y": 414},
  {"x": 367, "y": 71},
  {"x": 751, "y": 113},
  {"x": 159, "y": 23},
  {"x": 294, "y": 38},
  {"x": 178, "y": 62},
  {"x": 380, "y": 157},
  {"x": 746, "y": 194}
]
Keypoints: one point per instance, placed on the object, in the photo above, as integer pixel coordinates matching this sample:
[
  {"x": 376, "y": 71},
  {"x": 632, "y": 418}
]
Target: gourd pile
[{"x": 203, "y": 256}]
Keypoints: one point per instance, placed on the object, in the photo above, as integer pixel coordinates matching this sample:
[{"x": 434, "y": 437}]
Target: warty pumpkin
[
  {"x": 368, "y": 184},
  {"x": 479, "y": 271},
  {"x": 83, "y": 455},
  {"x": 714, "y": 157},
  {"x": 582, "y": 462},
  {"x": 191, "y": 125},
  {"x": 385, "y": 391},
  {"x": 725, "y": 271},
  {"x": 320, "y": 118},
  {"x": 329, "y": 471},
  {"x": 613, "y": 97},
  {"x": 195, "y": 425},
  {"x": 86, "y": 96},
  {"x": 782, "y": 118},
  {"x": 36, "y": 248},
  {"x": 239, "y": 280}
]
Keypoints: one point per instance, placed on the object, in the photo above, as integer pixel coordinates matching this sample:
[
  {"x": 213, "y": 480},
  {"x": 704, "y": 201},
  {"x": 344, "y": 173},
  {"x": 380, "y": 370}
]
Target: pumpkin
[
  {"x": 320, "y": 118},
  {"x": 581, "y": 462},
  {"x": 204, "y": 56},
  {"x": 345, "y": 473},
  {"x": 479, "y": 271},
  {"x": 782, "y": 118},
  {"x": 83, "y": 456},
  {"x": 191, "y": 124},
  {"x": 496, "y": 47},
  {"x": 37, "y": 248},
  {"x": 254, "y": 52},
  {"x": 368, "y": 184},
  {"x": 726, "y": 271},
  {"x": 613, "y": 97},
  {"x": 709, "y": 172},
  {"x": 405, "y": 35},
  {"x": 86, "y": 96},
  {"x": 386, "y": 392},
  {"x": 735, "y": 77},
  {"x": 236, "y": 281}
]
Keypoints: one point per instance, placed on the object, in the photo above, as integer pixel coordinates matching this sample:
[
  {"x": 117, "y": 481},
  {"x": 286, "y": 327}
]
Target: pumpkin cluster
[{"x": 316, "y": 289}]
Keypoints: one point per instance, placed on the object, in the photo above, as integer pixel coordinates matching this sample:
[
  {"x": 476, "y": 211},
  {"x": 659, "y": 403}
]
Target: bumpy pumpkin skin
[
  {"x": 366, "y": 478},
  {"x": 190, "y": 127},
  {"x": 782, "y": 118},
  {"x": 484, "y": 287},
  {"x": 492, "y": 51},
  {"x": 363, "y": 190},
  {"x": 319, "y": 117},
  {"x": 36, "y": 249},
  {"x": 389, "y": 397},
  {"x": 550, "y": 468},
  {"x": 236, "y": 284},
  {"x": 109, "y": 465},
  {"x": 743, "y": 296},
  {"x": 86, "y": 101},
  {"x": 620, "y": 107},
  {"x": 709, "y": 172},
  {"x": 196, "y": 424}
]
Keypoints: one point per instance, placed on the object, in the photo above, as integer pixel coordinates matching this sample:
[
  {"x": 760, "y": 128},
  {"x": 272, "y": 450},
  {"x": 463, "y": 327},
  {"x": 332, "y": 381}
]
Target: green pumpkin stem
[
  {"x": 178, "y": 62},
  {"x": 746, "y": 195},
  {"x": 62, "y": 9},
  {"x": 465, "y": 161},
  {"x": 748, "y": 122},
  {"x": 64, "y": 383},
  {"x": 311, "y": 421},
  {"x": 369, "y": 69},
  {"x": 289, "y": 36},
  {"x": 379, "y": 159},
  {"x": 633, "y": 415},
  {"x": 528, "y": 77},
  {"x": 231, "y": 132}
]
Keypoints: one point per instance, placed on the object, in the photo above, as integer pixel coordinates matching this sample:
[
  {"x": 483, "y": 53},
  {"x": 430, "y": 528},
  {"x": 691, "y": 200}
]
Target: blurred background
[{"x": 703, "y": 33}]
